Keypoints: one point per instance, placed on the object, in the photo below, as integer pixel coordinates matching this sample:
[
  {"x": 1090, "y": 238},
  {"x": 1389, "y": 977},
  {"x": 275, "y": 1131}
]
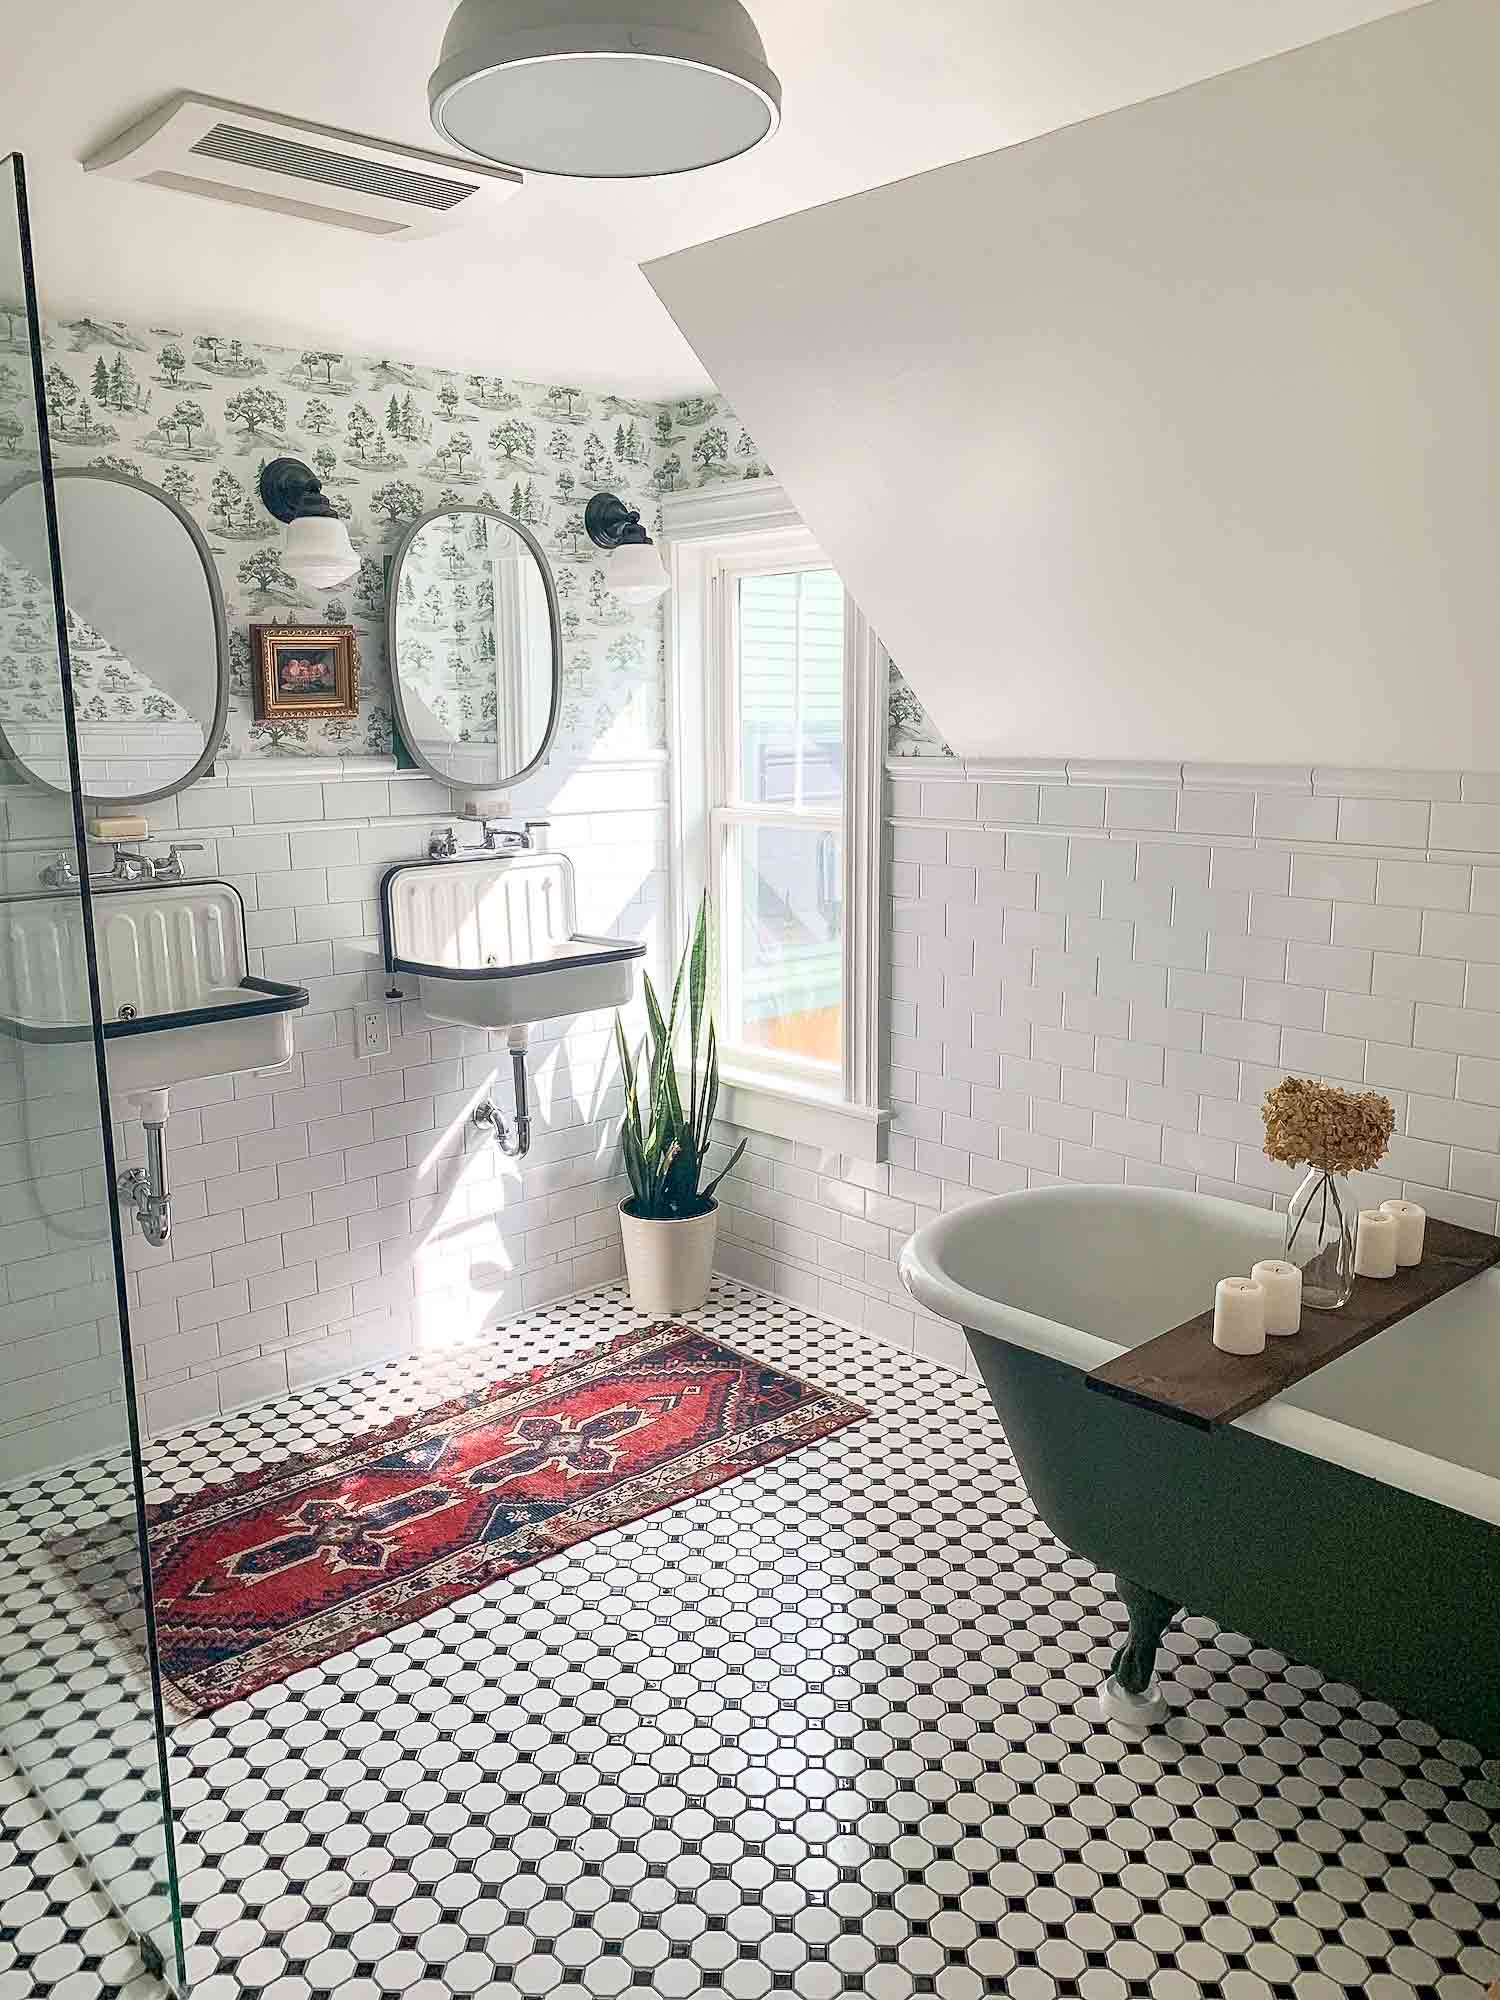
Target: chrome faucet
[
  {"x": 130, "y": 865},
  {"x": 133, "y": 866},
  {"x": 170, "y": 869},
  {"x": 60, "y": 873},
  {"x": 442, "y": 844},
  {"x": 499, "y": 838}
]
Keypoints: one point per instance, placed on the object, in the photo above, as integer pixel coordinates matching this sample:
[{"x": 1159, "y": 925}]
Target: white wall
[
  {"x": 1097, "y": 972},
  {"x": 1171, "y": 434}
]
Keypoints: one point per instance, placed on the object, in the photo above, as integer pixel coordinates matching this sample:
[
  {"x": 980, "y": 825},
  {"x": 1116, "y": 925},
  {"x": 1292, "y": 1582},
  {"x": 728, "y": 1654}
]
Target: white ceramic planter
[{"x": 669, "y": 1264}]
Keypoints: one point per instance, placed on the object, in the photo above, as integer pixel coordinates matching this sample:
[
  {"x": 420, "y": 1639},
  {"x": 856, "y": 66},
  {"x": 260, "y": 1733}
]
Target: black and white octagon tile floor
[{"x": 824, "y": 1730}]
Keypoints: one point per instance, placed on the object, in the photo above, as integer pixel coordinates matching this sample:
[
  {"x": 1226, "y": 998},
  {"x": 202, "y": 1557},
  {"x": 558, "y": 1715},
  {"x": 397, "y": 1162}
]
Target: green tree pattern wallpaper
[
  {"x": 199, "y": 413},
  {"x": 910, "y": 731},
  {"x": 448, "y": 627}
]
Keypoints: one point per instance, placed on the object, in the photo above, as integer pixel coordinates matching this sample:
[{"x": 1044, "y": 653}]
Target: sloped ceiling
[{"x": 1172, "y": 434}]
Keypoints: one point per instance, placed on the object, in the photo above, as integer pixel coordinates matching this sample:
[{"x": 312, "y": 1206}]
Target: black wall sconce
[
  {"x": 636, "y": 573},
  {"x": 318, "y": 549}
]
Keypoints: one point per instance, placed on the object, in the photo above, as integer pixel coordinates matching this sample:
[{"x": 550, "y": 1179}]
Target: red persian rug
[{"x": 287, "y": 1566}]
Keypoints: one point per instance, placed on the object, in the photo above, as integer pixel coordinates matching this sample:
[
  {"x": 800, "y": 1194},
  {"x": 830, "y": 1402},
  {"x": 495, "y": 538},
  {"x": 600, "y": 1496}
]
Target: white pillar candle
[
  {"x": 1282, "y": 1285},
  {"x": 1239, "y": 1316},
  {"x": 1375, "y": 1244},
  {"x": 1411, "y": 1230}
]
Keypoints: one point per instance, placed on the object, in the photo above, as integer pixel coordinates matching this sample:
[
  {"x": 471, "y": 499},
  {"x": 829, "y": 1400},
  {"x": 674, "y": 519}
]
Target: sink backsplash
[
  {"x": 158, "y": 950},
  {"x": 513, "y": 910}
]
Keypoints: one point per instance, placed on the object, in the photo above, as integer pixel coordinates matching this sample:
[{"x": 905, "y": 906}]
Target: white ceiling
[{"x": 549, "y": 287}]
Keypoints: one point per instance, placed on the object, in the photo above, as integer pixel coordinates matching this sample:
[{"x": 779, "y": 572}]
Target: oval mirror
[
  {"x": 475, "y": 647},
  {"x": 146, "y": 638}
]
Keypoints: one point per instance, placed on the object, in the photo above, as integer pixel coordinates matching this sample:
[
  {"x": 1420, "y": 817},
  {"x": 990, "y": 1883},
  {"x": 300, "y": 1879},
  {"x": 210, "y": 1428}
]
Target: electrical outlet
[{"x": 372, "y": 1030}]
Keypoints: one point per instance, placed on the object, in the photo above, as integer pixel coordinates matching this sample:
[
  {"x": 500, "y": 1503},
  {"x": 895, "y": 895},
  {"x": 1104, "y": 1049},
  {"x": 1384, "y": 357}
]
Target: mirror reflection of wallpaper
[
  {"x": 128, "y": 728},
  {"x": 198, "y": 412},
  {"x": 474, "y": 648},
  {"x": 910, "y": 730},
  {"x": 448, "y": 604}
]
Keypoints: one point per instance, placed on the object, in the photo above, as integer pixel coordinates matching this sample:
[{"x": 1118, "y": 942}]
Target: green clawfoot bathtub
[{"x": 1353, "y": 1523}]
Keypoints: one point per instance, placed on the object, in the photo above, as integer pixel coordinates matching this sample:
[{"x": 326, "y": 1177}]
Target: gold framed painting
[{"x": 305, "y": 670}]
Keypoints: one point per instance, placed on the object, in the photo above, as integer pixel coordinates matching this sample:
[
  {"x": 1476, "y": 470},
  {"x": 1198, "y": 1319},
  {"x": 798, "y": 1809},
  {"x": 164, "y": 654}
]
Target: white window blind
[{"x": 791, "y": 688}]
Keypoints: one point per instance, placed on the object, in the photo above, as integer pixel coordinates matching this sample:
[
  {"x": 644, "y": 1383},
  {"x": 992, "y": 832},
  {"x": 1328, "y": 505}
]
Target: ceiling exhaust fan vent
[
  {"x": 275, "y": 155},
  {"x": 262, "y": 160}
]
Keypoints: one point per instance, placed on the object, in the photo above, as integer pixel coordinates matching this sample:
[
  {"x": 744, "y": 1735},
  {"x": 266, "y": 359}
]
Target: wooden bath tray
[{"x": 1182, "y": 1374}]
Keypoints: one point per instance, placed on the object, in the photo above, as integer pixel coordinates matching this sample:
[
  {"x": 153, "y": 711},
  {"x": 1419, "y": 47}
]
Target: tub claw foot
[
  {"x": 1132, "y": 1694},
  {"x": 1147, "y": 1710}
]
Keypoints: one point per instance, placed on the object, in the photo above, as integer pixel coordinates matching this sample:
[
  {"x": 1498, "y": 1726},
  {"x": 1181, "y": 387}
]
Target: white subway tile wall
[
  {"x": 342, "y": 1209},
  {"x": 1095, "y": 982},
  {"x": 1089, "y": 988}
]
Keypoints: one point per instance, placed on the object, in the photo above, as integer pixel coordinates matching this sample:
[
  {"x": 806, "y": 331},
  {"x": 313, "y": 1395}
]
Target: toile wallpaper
[
  {"x": 198, "y": 413},
  {"x": 910, "y": 731}
]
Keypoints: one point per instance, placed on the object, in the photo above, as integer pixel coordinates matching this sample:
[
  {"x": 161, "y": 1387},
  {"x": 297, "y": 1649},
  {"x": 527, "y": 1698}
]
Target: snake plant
[{"x": 666, "y": 1141}]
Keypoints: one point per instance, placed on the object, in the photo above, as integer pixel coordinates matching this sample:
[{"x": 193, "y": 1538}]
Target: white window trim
[{"x": 705, "y": 535}]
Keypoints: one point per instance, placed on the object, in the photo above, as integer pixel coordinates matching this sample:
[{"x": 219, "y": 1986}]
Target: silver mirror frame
[
  {"x": 214, "y": 736},
  {"x": 554, "y": 622}
]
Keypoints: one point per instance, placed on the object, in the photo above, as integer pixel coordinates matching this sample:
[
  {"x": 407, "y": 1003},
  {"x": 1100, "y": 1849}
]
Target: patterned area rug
[{"x": 289, "y": 1565}]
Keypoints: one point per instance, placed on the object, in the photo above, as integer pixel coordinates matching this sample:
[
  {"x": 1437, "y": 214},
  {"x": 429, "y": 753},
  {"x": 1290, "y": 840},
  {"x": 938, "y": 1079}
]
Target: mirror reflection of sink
[
  {"x": 176, "y": 999},
  {"x": 492, "y": 940}
]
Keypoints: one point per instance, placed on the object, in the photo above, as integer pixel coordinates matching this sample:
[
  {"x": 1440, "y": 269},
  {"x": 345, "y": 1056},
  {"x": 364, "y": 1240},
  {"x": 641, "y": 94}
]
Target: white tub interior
[{"x": 1125, "y": 1264}]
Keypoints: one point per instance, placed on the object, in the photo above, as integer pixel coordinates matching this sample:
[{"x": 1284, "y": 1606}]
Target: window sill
[{"x": 814, "y": 1117}]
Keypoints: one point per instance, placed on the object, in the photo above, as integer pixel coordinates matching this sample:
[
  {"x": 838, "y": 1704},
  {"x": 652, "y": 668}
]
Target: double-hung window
[
  {"x": 777, "y": 698},
  {"x": 776, "y": 823}
]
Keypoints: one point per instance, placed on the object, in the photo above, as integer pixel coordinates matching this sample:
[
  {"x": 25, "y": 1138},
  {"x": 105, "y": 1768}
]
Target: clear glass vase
[{"x": 1320, "y": 1239}]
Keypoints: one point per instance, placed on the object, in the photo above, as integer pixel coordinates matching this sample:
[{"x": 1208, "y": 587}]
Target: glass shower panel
[{"x": 80, "y": 1708}]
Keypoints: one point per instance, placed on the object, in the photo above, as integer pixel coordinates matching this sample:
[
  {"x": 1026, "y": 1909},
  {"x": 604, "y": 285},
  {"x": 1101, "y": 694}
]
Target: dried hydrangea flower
[{"x": 1319, "y": 1125}]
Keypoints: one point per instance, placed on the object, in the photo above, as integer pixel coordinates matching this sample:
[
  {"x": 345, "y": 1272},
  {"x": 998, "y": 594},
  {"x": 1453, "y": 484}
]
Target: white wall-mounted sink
[
  {"x": 492, "y": 940},
  {"x": 176, "y": 1000}
]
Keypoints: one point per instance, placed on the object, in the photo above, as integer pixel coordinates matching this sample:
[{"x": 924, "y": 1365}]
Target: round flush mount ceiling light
[{"x": 604, "y": 89}]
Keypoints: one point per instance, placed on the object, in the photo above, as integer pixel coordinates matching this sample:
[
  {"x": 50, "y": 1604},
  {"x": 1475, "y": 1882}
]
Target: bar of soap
[{"x": 118, "y": 826}]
